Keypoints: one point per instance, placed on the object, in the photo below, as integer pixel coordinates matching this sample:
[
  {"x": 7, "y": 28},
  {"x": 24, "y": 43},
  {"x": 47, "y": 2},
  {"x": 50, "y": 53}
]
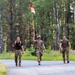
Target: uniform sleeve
[
  {"x": 21, "y": 44},
  {"x": 43, "y": 45},
  {"x": 35, "y": 41},
  {"x": 69, "y": 45}
]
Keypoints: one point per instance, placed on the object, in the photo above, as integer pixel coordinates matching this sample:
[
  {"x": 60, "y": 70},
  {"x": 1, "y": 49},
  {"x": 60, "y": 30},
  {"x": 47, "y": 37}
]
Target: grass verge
[
  {"x": 47, "y": 55},
  {"x": 3, "y": 69}
]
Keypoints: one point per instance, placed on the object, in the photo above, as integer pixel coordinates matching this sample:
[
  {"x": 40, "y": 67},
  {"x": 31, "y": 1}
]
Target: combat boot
[
  {"x": 39, "y": 63},
  {"x": 67, "y": 61},
  {"x": 16, "y": 65},
  {"x": 16, "y": 62},
  {"x": 19, "y": 64}
]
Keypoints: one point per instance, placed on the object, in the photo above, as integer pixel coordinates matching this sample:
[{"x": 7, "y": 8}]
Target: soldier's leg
[
  {"x": 38, "y": 56},
  {"x": 16, "y": 58},
  {"x": 16, "y": 61},
  {"x": 63, "y": 54},
  {"x": 20, "y": 55},
  {"x": 67, "y": 56},
  {"x": 39, "y": 59},
  {"x": 20, "y": 61}
]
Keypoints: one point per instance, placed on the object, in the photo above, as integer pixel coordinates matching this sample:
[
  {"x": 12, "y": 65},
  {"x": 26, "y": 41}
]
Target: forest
[{"x": 52, "y": 19}]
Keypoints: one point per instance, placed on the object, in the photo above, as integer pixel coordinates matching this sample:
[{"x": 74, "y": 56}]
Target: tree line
[{"x": 52, "y": 20}]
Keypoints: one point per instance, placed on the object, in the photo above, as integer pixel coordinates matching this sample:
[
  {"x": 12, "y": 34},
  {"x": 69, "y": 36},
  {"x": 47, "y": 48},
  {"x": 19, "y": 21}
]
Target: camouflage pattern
[
  {"x": 38, "y": 47},
  {"x": 65, "y": 50},
  {"x": 65, "y": 43},
  {"x": 18, "y": 55},
  {"x": 19, "y": 49}
]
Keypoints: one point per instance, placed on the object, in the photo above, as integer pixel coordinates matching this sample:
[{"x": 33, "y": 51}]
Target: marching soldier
[
  {"x": 64, "y": 46},
  {"x": 19, "y": 49},
  {"x": 39, "y": 44}
]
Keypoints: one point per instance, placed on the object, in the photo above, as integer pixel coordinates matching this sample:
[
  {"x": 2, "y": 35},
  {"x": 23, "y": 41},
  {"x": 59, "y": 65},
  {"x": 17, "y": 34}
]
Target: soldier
[
  {"x": 64, "y": 46},
  {"x": 19, "y": 49},
  {"x": 39, "y": 44}
]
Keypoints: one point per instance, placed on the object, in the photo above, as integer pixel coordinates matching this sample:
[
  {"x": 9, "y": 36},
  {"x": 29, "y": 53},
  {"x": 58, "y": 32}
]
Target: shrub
[{"x": 3, "y": 69}]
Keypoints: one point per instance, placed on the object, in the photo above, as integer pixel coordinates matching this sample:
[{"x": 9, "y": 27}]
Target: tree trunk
[
  {"x": 11, "y": 24},
  {"x": 58, "y": 26}
]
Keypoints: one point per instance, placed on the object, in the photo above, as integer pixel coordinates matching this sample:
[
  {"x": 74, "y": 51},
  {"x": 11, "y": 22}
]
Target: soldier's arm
[
  {"x": 22, "y": 49},
  {"x": 69, "y": 46},
  {"x": 44, "y": 46},
  {"x": 33, "y": 40},
  {"x": 60, "y": 46}
]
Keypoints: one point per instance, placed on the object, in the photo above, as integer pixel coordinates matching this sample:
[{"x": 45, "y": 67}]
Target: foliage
[
  {"x": 3, "y": 69},
  {"x": 48, "y": 55},
  {"x": 44, "y": 21}
]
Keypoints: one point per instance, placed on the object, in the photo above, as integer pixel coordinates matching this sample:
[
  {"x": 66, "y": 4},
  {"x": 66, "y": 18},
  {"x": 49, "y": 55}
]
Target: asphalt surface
[{"x": 46, "y": 68}]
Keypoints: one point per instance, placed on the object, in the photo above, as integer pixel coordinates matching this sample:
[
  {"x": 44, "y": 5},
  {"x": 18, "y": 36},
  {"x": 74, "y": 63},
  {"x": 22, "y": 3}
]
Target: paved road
[{"x": 47, "y": 68}]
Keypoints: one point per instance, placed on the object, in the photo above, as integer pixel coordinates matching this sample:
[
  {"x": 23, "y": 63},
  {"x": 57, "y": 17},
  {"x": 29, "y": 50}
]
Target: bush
[{"x": 3, "y": 69}]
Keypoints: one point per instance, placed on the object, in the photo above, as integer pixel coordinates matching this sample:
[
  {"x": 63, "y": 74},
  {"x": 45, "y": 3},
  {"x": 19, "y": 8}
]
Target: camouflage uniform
[
  {"x": 18, "y": 53},
  {"x": 38, "y": 47},
  {"x": 65, "y": 51}
]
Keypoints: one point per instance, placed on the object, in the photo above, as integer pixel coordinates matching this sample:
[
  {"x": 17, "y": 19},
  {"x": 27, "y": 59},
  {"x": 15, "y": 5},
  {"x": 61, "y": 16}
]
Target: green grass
[
  {"x": 3, "y": 69},
  {"x": 47, "y": 55}
]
